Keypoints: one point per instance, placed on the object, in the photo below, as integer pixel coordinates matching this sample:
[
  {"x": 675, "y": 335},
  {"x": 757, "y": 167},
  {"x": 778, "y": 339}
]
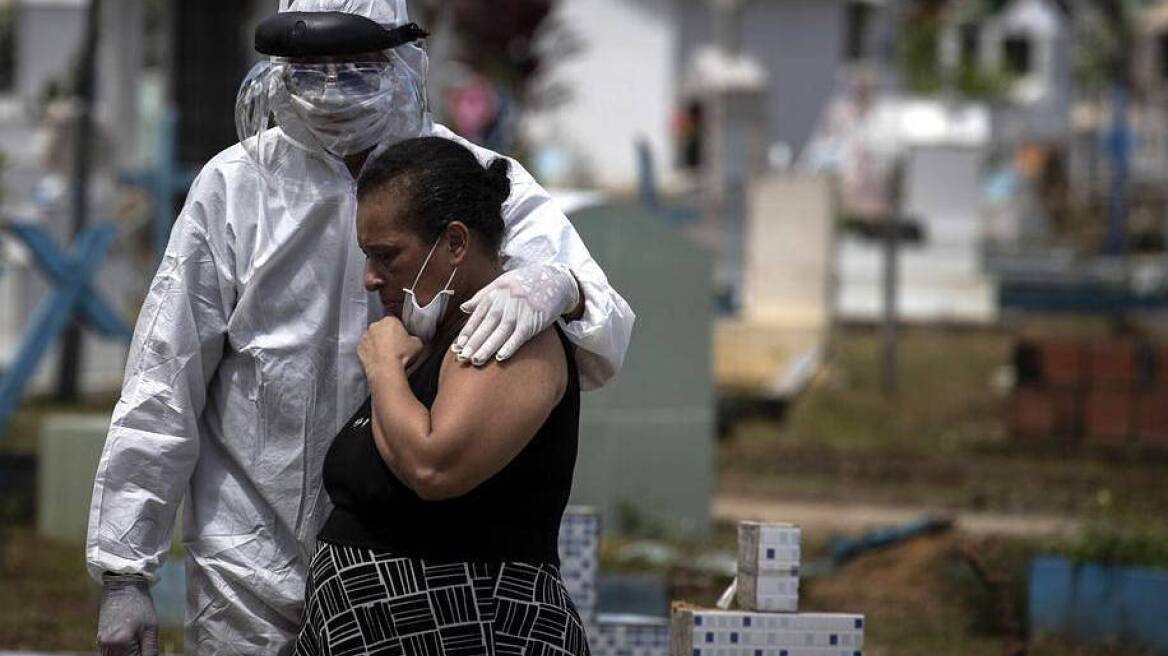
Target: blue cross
[
  {"x": 72, "y": 295},
  {"x": 162, "y": 180}
]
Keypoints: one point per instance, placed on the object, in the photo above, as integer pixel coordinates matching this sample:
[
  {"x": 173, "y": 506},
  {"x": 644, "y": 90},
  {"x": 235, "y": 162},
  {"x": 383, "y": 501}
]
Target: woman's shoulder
[
  {"x": 543, "y": 359},
  {"x": 547, "y": 344},
  {"x": 549, "y": 348}
]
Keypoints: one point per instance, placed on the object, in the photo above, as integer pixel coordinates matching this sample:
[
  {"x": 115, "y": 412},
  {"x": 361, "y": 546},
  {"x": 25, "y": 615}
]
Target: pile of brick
[
  {"x": 1109, "y": 392},
  {"x": 766, "y": 622}
]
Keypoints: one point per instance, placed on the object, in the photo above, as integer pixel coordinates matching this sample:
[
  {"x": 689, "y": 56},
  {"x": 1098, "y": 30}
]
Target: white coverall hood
[
  {"x": 389, "y": 13},
  {"x": 347, "y": 123}
]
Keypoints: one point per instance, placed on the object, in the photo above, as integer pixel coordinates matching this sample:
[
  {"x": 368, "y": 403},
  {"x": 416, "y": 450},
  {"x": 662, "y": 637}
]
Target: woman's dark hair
[{"x": 436, "y": 181}]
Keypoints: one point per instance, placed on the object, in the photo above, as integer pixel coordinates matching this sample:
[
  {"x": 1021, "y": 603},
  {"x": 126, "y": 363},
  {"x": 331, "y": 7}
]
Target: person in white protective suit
[{"x": 244, "y": 366}]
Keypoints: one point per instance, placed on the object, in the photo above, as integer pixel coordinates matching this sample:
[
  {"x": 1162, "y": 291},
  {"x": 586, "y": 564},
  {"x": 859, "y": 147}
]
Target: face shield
[{"x": 337, "y": 83}]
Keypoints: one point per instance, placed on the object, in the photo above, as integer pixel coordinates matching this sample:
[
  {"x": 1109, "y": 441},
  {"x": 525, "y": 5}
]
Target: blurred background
[{"x": 899, "y": 270}]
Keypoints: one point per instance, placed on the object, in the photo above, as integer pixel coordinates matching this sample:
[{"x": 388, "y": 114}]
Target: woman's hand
[{"x": 385, "y": 342}]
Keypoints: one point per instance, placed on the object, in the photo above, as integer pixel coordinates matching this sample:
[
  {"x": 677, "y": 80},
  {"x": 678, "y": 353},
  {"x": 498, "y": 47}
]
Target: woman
[{"x": 450, "y": 482}]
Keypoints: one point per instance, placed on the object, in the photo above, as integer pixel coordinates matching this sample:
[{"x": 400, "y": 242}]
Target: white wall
[
  {"x": 48, "y": 36},
  {"x": 622, "y": 87}
]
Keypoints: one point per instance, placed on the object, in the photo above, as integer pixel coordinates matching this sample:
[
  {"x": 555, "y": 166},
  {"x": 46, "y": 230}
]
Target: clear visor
[{"x": 338, "y": 107}]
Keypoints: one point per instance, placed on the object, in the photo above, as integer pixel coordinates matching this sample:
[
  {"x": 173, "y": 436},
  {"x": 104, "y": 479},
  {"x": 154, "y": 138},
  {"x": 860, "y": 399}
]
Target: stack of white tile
[
  {"x": 699, "y": 632},
  {"x": 768, "y": 567},
  {"x": 767, "y": 623}
]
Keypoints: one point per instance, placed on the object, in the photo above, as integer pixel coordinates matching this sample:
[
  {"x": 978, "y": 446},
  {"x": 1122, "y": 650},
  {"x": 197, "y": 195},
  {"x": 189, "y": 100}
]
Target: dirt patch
[
  {"x": 904, "y": 595},
  {"x": 922, "y": 598}
]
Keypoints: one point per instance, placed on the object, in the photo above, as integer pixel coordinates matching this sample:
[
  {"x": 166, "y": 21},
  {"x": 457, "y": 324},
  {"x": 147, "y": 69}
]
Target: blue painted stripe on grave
[{"x": 1099, "y": 604}]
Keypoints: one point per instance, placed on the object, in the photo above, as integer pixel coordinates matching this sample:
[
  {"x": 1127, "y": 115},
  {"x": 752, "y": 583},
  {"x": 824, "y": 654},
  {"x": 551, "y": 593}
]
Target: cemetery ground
[
  {"x": 941, "y": 446},
  {"x": 942, "y": 443}
]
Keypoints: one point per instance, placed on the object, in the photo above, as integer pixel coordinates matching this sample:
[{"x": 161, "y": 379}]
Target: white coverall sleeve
[
  {"x": 538, "y": 231},
  {"x": 153, "y": 441}
]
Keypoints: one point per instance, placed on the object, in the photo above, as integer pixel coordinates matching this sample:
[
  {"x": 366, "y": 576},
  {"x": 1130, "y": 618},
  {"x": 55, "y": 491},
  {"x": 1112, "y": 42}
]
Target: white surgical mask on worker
[{"x": 422, "y": 321}]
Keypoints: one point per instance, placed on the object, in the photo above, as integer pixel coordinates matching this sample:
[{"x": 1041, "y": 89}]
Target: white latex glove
[
  {"x": 515, "y": 307},
  {"x": 127, "y": 624}
]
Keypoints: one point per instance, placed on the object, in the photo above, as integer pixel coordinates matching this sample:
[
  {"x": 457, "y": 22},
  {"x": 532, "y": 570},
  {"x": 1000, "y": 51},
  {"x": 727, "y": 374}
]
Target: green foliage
[
  {"x": 976, "y": 84},
  {"x": 920, "y": 64},
  {"x": 1143, "y": 544},
  {"x": 918, "y": 50},
  {"x": 633, "y": 523}
]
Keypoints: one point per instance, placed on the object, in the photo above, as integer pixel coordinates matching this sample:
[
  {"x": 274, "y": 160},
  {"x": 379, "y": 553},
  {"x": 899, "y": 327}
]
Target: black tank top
[{"x": 512, "y": 516}]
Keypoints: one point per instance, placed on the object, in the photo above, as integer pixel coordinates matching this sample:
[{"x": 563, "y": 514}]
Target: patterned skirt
[{"x": 361, "y": 601}]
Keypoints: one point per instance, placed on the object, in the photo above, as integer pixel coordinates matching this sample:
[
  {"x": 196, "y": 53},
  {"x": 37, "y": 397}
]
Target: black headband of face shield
[{"x": 328, "y": 34}]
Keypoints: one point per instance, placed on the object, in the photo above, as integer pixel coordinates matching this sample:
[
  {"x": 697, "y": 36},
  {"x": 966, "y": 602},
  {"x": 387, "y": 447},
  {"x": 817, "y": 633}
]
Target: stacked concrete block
[
  {"x": 700, "y": 632},
  {"x": 768, "y": 567},
  {"x": 766, "y": 622}
]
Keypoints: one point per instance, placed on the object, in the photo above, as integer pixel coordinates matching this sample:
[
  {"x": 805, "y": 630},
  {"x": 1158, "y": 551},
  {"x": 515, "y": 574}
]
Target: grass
[
  {"x": 1137, "y": 543},
  {"x": 941, "y": 441},
  {"x": 946, "y": 401},
  {"x": 47, "y": 601}
]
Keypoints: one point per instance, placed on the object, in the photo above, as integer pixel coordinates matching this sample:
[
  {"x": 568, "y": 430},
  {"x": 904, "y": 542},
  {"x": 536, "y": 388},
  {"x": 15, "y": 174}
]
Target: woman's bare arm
[{"x": 481, "y": 419}]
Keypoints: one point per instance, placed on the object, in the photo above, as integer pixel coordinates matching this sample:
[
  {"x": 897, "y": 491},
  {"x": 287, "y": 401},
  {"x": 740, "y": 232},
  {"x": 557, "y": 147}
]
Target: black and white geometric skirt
[{"x": 360, "y": 601}]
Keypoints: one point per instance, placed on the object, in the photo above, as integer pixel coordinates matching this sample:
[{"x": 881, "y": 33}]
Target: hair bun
[{"x": 500, "y": 181}]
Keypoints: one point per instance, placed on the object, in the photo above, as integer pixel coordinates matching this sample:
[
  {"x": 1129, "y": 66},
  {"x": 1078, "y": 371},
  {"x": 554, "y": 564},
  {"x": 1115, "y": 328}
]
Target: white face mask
[
  {"x": 345, "y": 126},
  {"x": 351, "y": 107},
  {"x": 422, "y": 322}
]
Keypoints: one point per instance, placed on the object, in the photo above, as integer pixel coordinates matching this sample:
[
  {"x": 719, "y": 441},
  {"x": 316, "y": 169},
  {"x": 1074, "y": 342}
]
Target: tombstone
[
  {"x": 68, "y": 452},
  {"x": 942, "y": 277},
  {"x": 646, "y": 438},
  {"x": 778, "y": 339}
]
